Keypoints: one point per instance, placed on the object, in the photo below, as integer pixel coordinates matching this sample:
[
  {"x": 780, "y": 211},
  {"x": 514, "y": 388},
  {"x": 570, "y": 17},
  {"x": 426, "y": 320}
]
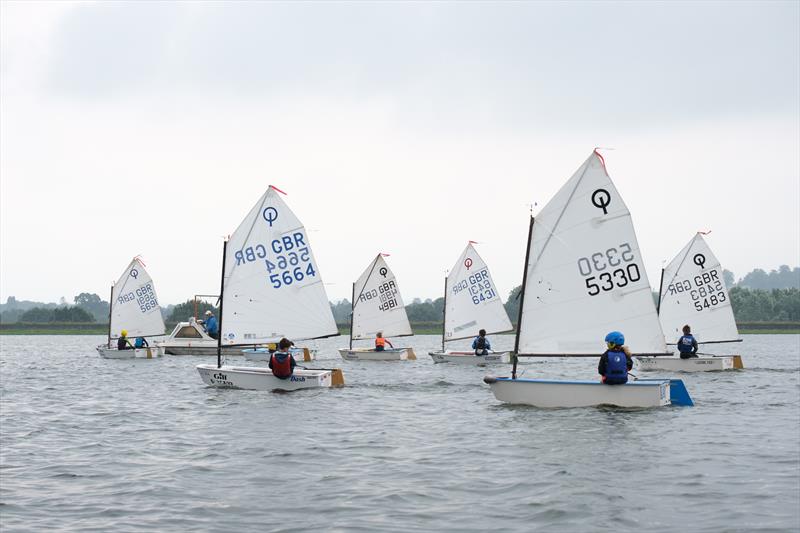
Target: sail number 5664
[
  {"x": 292, "y": 267},
  {"x": 287, "y": 277}
]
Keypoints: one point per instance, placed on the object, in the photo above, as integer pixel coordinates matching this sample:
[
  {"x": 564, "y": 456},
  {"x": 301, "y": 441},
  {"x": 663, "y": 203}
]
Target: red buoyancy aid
[
  {"x": 281, "y": 366},
  {"x": 380, "y": 341}
]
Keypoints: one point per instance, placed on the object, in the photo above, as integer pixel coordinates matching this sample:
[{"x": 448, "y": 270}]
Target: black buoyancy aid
[
  {"x": 616, "y": 368},
  {"x": 281, "y": 365}
]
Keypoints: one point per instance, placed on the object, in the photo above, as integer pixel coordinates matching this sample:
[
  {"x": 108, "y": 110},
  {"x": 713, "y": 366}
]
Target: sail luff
[
  {"x": 444, "y": 313},
  {"x": 110, "y": 309},
  {"x": 366, "y": 281},
  {"x": 221, "y": 305},
  {"x": 522, "y": 300},
  {"x": 522, "y": 290},
  {"x": 352, "y": 312}
]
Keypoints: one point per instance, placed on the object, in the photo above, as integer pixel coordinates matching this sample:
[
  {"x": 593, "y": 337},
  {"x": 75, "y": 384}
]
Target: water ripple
[{"x": 97, "y": 445}]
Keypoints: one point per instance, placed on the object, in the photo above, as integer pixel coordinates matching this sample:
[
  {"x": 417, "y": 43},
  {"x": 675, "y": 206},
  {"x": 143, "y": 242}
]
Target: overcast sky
[{"x": 408, "y": 128}]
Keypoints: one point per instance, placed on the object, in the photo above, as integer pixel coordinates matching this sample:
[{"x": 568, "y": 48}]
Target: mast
[
  {"x": 221, "y": 294},
  {"x": 110, "y": 304},
  {"x": 660, "y": 288},
  {"x": 444, "y": 312},
  {"x": 522, "y": 300},
  {"x": 352, "y": 312}
]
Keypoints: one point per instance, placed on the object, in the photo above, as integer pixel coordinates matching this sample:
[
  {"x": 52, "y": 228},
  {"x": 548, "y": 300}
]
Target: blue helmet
[{"x": 615, "y": 337}]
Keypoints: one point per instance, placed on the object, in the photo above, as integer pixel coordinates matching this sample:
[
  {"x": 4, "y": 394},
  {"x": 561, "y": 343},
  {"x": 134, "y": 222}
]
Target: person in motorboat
[
  {"x": 281, "y": 361},
  {"x": 123, "y": 343},
  {"x": 380, "y": 342},
  {"x": 141, "y": 342},
  {"x": 616, "y": 360},
  {"x": 211, "y": 325},
  {"x": 481, "y": 344},
  {"x": 687, "y": 344}
]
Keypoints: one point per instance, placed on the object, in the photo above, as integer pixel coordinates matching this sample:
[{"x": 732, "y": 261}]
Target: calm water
[{"x": 99, "y": 445}]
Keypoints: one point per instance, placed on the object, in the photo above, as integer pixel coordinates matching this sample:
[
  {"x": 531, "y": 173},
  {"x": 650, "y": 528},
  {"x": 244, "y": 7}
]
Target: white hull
[
  {"x": 260, "y": 378},
  {"x": 695, "y": 364},
  {"x": 369, "y": 354},
  {"x": 137, "y": 353},
  {"x": 470, "y": 359},
  {"x": 547, "y": 393},
  {"x": 189, "y": 338},
  {"x": 301, "y": 355},
  {"x": 199, "y": 349}
]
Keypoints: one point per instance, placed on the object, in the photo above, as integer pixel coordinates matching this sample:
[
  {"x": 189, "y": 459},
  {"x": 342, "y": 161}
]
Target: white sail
[
  {"x": 272, "y": 286},
  {"x": 584, "y": 275},
  {"x": 693, "y": 292},
  {"x": 377, "y": 304},
  {"x": 134, "y": 304},
  {"x": 472, "y": 299}
]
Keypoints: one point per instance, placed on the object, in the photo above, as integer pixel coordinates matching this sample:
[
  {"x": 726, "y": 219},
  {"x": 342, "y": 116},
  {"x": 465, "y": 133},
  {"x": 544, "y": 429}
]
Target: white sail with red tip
[{"x": 272, "y": 286}]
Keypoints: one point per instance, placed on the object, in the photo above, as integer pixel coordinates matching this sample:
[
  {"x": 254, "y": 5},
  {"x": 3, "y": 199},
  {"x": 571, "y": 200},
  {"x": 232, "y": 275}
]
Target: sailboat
[
  {"x": 471, "y": 303},
  {"x": 377, "y": 308},
  {"x": 693, "y": 292},
  {"x": 133, "y": 307},
  {"x": 583, "y": 277},
  {"x": 271, "y": 288}
]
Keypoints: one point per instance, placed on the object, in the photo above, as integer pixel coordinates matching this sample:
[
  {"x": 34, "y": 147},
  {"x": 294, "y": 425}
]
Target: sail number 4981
[{"x": 613, "y": 268}]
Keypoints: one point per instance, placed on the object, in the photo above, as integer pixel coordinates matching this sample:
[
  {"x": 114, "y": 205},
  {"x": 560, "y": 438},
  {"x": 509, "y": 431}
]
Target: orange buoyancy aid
[{"x": 380, "y": 341}]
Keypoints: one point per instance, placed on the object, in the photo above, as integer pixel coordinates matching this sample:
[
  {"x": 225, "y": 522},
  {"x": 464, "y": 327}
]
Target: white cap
[{"x": 208, "y": 312}]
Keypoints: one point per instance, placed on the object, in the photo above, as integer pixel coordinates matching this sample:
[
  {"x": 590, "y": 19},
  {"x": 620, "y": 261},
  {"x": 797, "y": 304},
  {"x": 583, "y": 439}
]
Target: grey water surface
[{"x": 88, "y": 444}]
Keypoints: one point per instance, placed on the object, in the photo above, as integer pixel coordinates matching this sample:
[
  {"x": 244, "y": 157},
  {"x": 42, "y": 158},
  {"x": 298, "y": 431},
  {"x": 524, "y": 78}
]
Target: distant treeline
[
  {"x": 759, "y": 296},
  {"x": 783, "y": 278}
]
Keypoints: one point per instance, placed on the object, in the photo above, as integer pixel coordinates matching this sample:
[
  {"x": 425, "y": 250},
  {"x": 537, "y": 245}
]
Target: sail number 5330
[{"x": 609, "y": 268}]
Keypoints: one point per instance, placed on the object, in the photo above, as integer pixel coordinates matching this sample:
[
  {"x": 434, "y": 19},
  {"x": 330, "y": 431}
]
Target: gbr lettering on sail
[{"x": 287, "y": 259}]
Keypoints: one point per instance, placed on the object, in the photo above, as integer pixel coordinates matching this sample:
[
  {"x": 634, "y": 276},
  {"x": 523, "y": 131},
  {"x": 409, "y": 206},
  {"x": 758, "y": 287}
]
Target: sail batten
[
  {"x": 272, "y": 284},
  {"x": 584, "y": 273},
  {"x": 694, "y": 293}
]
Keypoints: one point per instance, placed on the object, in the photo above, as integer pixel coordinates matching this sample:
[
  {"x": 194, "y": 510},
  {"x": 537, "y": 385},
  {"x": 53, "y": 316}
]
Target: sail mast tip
[
  {"x": 601, "y": 158},
  {"x": 277, "y": 189}
]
